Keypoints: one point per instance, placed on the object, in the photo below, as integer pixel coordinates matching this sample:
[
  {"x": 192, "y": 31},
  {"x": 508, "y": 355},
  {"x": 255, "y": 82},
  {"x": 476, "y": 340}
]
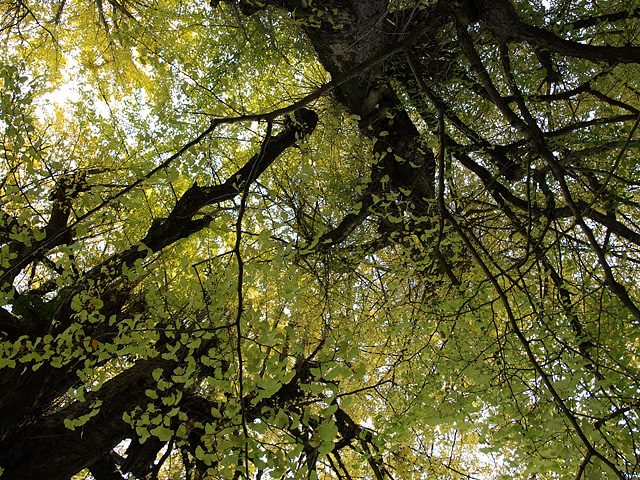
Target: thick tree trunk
[
  {"x": 358, "y": 32},
  {"x": 46, "y": 448},
  {"x": 366, "y": 34},
  {"x": 35, "y": 443}
]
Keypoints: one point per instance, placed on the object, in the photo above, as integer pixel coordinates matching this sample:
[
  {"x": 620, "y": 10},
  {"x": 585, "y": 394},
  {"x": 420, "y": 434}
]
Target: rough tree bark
[{"x": 26, "y": 396}]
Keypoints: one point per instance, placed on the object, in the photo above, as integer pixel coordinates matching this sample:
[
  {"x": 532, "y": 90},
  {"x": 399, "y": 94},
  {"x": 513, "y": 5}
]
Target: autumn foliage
[{"x": 386, "y": 239}]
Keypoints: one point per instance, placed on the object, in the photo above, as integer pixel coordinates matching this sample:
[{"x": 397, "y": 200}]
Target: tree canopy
[{"x": 365, "y": 239}]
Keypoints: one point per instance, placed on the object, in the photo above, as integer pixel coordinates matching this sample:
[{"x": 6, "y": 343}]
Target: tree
[{"x": 366, "y": 239}]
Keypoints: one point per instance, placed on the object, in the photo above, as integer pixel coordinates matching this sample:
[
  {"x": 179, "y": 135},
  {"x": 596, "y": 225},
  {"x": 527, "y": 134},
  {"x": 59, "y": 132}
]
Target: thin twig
[
  {"x": 240, "y": 310},
  {"x": 558, "y": 400},
  {"x": 619, "y": 157}
]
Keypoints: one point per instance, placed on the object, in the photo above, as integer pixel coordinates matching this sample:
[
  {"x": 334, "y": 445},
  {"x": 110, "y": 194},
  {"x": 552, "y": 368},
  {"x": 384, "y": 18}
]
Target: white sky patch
[{"x": 65, "y": 93}]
